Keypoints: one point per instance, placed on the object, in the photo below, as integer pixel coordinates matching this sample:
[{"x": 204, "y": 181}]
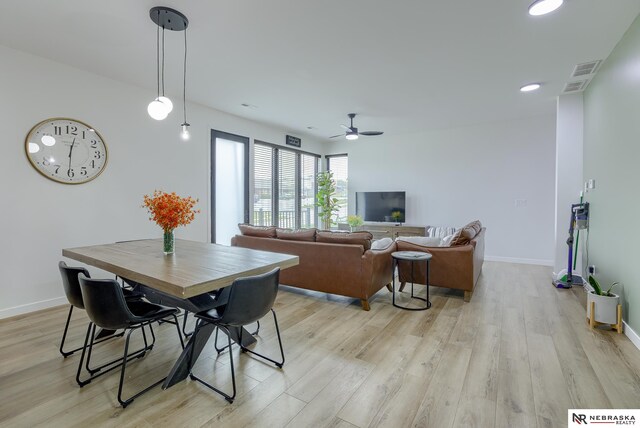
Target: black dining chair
[
  {"x": 248, "y": 300},
  {"x": 71, "y": 287},
  {"x": 107, "y": 308}
]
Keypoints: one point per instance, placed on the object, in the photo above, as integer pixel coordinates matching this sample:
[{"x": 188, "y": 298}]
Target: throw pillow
[
  {"x": 258, "y": 231},
  {"x": 357, "y": 238},
  {"x": 381, "y": 244},
  {"x": 424, "y": 241},
  {"x": 296, "y": 235},
  {"x": 459, "y": 238}
]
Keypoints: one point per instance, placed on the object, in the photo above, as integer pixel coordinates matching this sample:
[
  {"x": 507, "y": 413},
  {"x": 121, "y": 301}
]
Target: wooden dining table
[{"x": 187, "y": 279}]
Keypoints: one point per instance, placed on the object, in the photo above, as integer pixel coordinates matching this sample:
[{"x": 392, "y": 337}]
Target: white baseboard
[
  {"x": 517, "y": 260},
  {"x": 632, "y": 335},
  {"x": 32, "y": 307}
]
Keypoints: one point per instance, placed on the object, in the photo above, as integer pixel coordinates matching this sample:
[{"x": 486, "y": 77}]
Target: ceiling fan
[{"x": 352, "y": 132}]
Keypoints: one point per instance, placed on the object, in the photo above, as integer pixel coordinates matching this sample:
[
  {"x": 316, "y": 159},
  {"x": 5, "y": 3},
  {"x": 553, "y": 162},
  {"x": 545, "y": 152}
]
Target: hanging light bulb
[
  {"x": 157, "y": 109},
  {"x": 185, "y": 135},
  {"x": 167, "y": 103}
]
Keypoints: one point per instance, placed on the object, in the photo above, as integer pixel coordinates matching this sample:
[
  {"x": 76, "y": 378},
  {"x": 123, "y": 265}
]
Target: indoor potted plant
[
  {"x": 604, "y": 304},
  {"x": 325, "y": 200},
  {"x": 169, "y": 211},
  {"x": 354, "y": 222}
]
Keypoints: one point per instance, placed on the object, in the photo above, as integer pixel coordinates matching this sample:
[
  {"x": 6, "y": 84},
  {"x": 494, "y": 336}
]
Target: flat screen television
[{"x": 381, "y": 206}]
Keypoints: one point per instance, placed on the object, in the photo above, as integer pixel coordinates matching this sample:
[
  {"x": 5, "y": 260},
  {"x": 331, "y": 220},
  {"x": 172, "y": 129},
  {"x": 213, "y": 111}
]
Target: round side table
[{"x": 413, "y": 257}]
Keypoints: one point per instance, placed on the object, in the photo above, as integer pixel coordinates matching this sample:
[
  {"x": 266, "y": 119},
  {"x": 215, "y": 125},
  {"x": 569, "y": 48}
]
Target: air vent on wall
[
  {"x": 585, "y": 69},
  {"x": 578, "y": 86}
]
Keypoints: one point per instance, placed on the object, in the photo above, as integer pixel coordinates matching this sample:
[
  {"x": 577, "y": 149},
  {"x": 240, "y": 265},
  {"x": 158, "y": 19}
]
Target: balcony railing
[{"x": 286, "y": 219}]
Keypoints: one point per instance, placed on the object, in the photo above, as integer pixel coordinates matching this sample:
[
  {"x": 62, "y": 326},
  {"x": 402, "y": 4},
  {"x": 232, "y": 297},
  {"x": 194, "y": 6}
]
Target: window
[
  {"x": 339, "y": 165},
  {"x": 285, "y": 187},
  {"x": 263, "y": 182}
]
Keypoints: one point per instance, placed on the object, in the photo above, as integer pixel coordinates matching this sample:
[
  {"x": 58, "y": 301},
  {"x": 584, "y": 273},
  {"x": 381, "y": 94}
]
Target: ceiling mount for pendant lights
[
  {"x": 542, "y": 7},
  {"x": 168, "y": 19}
]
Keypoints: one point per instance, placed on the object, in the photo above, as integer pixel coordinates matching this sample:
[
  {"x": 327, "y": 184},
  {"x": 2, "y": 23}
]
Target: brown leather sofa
[
  {"x": 334, "y": 262},
  {"x": 457, "y": 266}
]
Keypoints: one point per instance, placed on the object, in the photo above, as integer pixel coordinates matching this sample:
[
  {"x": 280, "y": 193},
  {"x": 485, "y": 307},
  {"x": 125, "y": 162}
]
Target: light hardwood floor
[{"x": 519, "y": 354}]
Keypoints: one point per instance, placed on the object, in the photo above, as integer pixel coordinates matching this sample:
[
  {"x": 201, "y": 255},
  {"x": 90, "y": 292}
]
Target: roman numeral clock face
[{"x": 66, "y": 150}]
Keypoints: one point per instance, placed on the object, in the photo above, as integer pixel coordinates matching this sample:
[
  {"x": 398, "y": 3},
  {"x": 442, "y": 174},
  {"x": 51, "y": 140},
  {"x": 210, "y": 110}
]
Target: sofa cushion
[
  {"x": 381, "y": 244},
  {"x": 257, "y": 231},
  {"x": 296, "y": 234},
  {"x": 356, "y": 238},
  {"x": 424, "y": 241}
]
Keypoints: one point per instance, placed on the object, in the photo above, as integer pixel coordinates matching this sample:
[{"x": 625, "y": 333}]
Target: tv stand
[{"x": 393, "y": 230}]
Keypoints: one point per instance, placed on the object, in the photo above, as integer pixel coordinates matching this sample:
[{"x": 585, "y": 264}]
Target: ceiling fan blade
[
  {"x": 336, "y": 136},
  {"x": 371, "y": 133},
  {"x": 346, "y": 127}
]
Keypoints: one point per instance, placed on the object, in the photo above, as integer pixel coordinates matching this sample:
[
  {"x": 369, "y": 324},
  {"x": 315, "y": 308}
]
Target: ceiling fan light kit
[
  {"x": 168, "y": 19},
  {"x": 352, "y": 132}
]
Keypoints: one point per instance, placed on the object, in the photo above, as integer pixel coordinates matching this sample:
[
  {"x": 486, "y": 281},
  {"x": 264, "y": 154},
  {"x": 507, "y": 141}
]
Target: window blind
[{"x": 263, "y": 185}]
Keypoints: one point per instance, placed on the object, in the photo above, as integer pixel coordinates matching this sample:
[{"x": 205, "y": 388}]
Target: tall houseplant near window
[{"x": 325, "y": 200}]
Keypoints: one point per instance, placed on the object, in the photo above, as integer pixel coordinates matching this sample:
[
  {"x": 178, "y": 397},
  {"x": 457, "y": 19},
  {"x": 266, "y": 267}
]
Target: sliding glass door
[{"x": 229, "y": 185}]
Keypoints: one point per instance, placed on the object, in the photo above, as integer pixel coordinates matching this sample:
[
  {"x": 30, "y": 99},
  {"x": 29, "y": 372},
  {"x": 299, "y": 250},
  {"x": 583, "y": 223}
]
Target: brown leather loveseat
[
  {"x": 330, "y": 262},
  {"x": 456, "y": 266}
]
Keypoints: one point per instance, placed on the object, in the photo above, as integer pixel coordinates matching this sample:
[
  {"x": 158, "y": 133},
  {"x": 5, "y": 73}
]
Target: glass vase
[{"x": 169, "y": 242}]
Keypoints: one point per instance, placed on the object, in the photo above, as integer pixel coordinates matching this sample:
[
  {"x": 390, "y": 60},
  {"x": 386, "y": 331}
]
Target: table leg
[{"x": 180, "y": 369}]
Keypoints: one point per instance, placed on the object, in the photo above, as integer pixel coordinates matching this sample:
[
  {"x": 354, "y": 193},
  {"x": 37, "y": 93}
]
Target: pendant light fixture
[
  {"x": 167, "y": 19},
  {"x": 184, "y": 134}
]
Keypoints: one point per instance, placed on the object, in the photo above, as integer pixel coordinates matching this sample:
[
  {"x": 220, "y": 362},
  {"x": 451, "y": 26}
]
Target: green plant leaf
[
  {"x": 596, "y": 285},
  {"x": 608, "y": 292}
]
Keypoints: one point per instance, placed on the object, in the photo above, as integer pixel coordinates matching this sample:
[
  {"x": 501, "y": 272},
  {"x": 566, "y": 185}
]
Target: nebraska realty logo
[{"x": 602, "y": 417}]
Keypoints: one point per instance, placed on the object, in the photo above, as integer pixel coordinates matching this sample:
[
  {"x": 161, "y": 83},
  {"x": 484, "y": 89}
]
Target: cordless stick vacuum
[{"x": 579, "y": 220}]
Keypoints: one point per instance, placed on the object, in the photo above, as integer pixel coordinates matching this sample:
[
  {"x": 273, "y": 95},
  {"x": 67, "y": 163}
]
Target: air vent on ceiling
[
  {"x": 585, "y": 68},
  {"x": 578, "y": 86}
]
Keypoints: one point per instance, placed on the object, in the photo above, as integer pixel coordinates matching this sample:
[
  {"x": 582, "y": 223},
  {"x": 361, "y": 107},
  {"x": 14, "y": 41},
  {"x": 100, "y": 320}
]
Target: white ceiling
[{"x": 404, "y": 66}]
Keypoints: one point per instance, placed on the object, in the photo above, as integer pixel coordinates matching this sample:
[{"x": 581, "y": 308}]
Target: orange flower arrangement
[{"x": 169, "y": 210}]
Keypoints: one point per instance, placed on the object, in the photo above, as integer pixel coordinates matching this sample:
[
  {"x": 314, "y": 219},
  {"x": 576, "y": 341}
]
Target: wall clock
[{"x": 66, "y": 150}]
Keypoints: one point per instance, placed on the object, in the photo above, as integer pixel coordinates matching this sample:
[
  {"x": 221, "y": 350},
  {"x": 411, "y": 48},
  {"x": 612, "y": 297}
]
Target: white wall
[
  {"x": 569, "y": 181},
  {"x": 611, "y": 154},
  {"x": 457, "y": 175},
  {"x": 39, "y": 217}
]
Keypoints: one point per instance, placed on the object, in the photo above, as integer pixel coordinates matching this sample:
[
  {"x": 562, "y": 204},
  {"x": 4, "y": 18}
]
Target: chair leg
[
  {"x": 402, "y": 285},
  {"x": 226, "y": 396},
  {"x": 184, "y": 325},
  {"x": 64, "y": 335},
  {"x": 126, "y": 358},
  {"x": 64, "y": 353},
  {"x": 178, "y": 329},
  {"x": 257, "y": 329},
  {"x": 278, "y": 364},
  {"x": 106, "y": 367}
]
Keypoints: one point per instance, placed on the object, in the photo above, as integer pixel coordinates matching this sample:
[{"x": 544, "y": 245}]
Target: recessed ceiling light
[
  {"x": 542, "y": 7},
  {"x": 530, "y": 87}
]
